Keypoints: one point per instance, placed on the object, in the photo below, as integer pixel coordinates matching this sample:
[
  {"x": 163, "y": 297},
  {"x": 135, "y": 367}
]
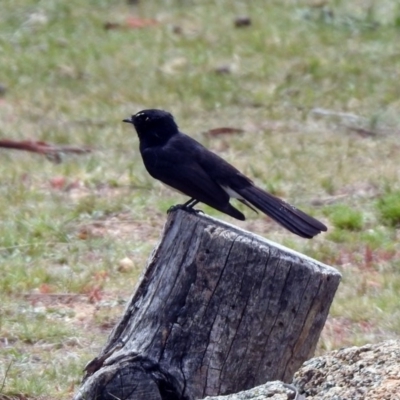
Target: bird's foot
[{"x": 184, "y": 207}]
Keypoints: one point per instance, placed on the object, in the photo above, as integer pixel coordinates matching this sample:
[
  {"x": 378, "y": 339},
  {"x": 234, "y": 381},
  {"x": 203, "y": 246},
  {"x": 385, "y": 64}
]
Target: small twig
[
  {"x": 18, "y": 246},
  {"x": 5, "y": 376},
  {"x": 329, "y": 200},
  {"x": 49, "y": 150},
  {"x": 330, "y": 113},
  {"x": 362, "y": 131},
  {"x": 225, "y": 130}
]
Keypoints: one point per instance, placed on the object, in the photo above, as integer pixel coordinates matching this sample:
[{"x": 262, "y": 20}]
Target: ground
[{"x": 309, "y": 92}]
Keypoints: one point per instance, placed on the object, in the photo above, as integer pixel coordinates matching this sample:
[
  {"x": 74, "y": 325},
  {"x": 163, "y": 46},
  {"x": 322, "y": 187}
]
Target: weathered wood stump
[{"x": 217, "y": 310}]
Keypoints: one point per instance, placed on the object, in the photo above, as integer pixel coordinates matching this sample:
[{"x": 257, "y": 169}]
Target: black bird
[{"x": 184, "y": 164}]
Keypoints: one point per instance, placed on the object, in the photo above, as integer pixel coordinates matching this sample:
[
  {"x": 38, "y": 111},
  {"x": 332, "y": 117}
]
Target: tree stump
[{"x": 218, "y": 310}]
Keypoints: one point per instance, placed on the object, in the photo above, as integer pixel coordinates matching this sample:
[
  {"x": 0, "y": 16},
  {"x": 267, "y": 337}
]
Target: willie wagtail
[{"x": 184, "y": 164}]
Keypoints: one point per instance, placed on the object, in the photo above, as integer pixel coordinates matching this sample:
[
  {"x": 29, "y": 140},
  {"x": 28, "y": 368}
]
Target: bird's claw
[
  {"x": 175, "y": 208},
  {"x": 184, "y": 208}
]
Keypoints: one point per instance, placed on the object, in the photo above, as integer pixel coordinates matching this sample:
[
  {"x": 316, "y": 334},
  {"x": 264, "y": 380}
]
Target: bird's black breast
[{"x": 163, "y": 160}]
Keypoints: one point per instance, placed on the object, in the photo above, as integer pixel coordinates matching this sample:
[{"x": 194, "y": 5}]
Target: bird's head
[{"x": 154, "y": 127}]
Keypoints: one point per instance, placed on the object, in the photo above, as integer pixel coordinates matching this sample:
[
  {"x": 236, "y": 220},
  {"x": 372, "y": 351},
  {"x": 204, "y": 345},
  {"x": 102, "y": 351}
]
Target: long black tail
[{"x": 290, "y": 217}]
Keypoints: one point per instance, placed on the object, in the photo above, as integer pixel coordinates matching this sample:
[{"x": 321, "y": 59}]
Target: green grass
[
  {"x": 388, "y": 206},
  {"x": 299, "y": 78},
  {"x": 346, "y": 218}
]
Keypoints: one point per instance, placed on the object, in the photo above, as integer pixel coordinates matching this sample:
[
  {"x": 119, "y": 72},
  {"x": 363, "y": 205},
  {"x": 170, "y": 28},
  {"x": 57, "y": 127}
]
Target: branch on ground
[{"x": 51, "y": 151}]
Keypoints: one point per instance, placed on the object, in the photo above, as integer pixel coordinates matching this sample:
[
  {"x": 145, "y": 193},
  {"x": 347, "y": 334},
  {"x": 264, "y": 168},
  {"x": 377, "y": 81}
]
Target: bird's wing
[
  {"x": 244, "y": 189},
  {"x": 186, "y": 175}
]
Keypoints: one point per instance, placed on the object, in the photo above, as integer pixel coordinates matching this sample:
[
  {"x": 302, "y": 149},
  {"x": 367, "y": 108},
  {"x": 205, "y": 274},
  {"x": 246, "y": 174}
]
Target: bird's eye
[{"x": 142, "y": 117}]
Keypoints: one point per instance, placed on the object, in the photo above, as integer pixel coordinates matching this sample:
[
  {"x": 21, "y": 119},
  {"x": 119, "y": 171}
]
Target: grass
[
  {"x": 389, "y": 208},
  {"x": 300, "y": 82}
]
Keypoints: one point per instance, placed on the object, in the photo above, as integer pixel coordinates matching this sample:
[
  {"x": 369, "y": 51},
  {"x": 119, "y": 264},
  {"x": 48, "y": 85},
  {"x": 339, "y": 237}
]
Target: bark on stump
[{"x": 218, "y": 310}]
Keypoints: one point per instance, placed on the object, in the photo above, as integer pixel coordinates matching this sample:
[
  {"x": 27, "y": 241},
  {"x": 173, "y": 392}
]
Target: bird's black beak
[{"x": 128, "y": 120}]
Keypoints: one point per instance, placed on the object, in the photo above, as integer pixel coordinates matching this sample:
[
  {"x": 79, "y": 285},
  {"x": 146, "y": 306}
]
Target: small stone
[{"x": 125, "y": 265}]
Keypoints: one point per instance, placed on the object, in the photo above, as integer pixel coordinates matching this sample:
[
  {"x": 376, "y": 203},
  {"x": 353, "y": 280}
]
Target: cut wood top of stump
[{"x": 287, "y": 253}]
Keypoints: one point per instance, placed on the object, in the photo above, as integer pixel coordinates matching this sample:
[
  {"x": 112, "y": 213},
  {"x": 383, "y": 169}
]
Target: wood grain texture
[{"x": 218, "y": 310}]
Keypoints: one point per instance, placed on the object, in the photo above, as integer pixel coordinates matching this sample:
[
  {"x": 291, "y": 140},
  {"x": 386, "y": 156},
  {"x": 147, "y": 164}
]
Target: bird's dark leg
[
  {"x": 190, "y": 203},
  {"x": 188, "y": 206}
]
